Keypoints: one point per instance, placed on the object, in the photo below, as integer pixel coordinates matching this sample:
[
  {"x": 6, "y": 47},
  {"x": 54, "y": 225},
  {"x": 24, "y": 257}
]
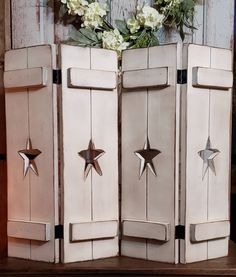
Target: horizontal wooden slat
[
  {"x": 92, "y": 79},
  {"x": 25, "y": 78},
  {"x": 148, "y": 230},
  {"x": 154, "y": 77},
  {"x": 93, "y": 230},
  {"x": 212, "y": 78},
  {"x": 39, "y": 231},
  {"x": 209, "y": 230}
]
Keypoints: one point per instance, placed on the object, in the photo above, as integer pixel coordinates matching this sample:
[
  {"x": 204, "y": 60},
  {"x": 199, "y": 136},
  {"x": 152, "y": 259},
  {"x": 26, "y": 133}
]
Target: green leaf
[
  {"x": 78, "y": 36},
  {"x": 122, "y": 27},
  {"x": 63, "y": 10},
  {"x": 89, "y": 33}
]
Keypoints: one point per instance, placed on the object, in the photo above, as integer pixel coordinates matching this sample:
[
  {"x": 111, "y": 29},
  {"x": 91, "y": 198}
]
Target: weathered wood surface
[{"x": 32, "y": 22}]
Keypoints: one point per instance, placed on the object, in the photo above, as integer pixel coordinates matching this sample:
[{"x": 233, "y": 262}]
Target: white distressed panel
[
  {"x": 209, "y": 231},
  {"x": 219, "y": 184},
  {"x": 147, "y": 230},
  {"x": 17, "y": 123},
  {"x": 196, "y": 128},
  {"x": 41, "y": 132},
  {"x": 149, "y": 113},
  {"x": 212, "y": 78},
  {"x": 161, "y": 191},
  {"x": 134, "y": 124},
  {"x": 38, "y": 117},
  {"x": 104, "y": 129},
  {"x": 207, "y": 199},
  {"x": 29, "y": 230},
  {"x": 33, "y": 77},
  {"x": 95, "y": 79},
  {"x": 89, "y": 114},
  {"x": 76, "y": 134},
  {"x": 93, "y": 230},
  {"x": 145, "y": 78}
]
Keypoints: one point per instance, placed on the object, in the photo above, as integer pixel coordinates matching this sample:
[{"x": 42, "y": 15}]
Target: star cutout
[
  {"x": 29, "y": 155},
  {"x": 146, "y": 155},
  {"x": 208, "y": 155},
  {"x": 91, "y": 155}
]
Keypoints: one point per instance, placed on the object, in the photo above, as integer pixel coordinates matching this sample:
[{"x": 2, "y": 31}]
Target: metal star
[
  {"x": 146, "y": 155},
  {"x": 207, "y": 155},
  {"x": 91, "y": 155},
  {"x": 29, "y": 155}
]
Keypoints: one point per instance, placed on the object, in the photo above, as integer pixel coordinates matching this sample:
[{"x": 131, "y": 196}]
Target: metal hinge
[
  {"x": 57, "y": 76},
  {"x": 180, "y": 232},
  {"x": 182, "y": 76},
  {"x": 3, "y": 157},
  {"x": 59, "y": 232}
]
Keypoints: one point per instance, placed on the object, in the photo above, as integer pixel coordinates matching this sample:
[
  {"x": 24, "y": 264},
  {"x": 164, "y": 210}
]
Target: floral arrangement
[{"x": 91, "y": 27}]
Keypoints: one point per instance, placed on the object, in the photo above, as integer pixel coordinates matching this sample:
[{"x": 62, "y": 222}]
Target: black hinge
[
  {"x": 182, "y": 76},
  {"x": 180, "y": 232},
  {"x": 57, "y": 76},
  {"x": 3, "y": 157},
  {"x": 59, "y": 232}
]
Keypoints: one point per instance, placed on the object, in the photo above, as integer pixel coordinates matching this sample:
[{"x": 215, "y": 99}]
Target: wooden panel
[
  {"x": 204, "y": 191},
  {"x": 145, "y": 78},
  {"x": 26, "y": 78},
  {"x": 209, "y": 230},
  {"x": 89, "y": 114},
  {"x": 146, "y": 230},
  {"x": 219, "y": 184},
  {"x": 94, "y": 79},
  {"x": 17, "y": 123},
  {"x": 161, "y": 192},
  {"x": 212, "y": 78},
  {"x": 93, "y": 230},
  {"x": 104, "y": 131},
  {"x": 42, "y": 131},
  {"x": 30, "y": 115},
  {"x": 29, "y": 230},
  {"x": 134, "y": 124},
  {"x": 149, "y": 113}
]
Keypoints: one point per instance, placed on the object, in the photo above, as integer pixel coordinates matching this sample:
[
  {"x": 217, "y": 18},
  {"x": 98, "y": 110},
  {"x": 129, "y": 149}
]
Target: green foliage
[
  {"x": 178, "y": 14},
  {"x": 85, "y": 37}
]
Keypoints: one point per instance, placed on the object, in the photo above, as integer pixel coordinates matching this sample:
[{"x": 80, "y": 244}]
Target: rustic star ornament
[
  {"x": 146, "y": 155},
  {"x": 29, "y": 155},
  {"x": 208, "y": 155},
  {"x": 91, "y": 155}
]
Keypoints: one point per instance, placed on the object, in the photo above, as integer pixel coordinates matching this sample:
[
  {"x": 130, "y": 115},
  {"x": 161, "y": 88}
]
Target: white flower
[
  {"x": 149, "y": 17},
  {"x": 94, "y": 15},
  {"x": 113, "y": 40},
  {"x": 76, "y": 6},
  {"x": 133, "y": 25}
]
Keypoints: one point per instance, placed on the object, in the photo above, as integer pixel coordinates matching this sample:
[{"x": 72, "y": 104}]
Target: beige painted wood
[
  {"x": 94, "y": 79},
  {"x": 29, "y": 230},
  {"x": 219, "y": 185},
  {"x": 207, "y": 199},
  {"x": 89, "y": 114},
  {"x": 149, "y": 113},
  {"x": 104, "y": 131},
  {"x": 162, "y": 196},
  {"x": 29, "y": 114},
  {"x": 209, "y": 230},
  {"x": 93, "y": 230},
  {"x": 146, "y": 78},
  {"x": 212, "y": 78},
  {"x": 147, "y": 230},
  {"x": 33, "y": 77}
]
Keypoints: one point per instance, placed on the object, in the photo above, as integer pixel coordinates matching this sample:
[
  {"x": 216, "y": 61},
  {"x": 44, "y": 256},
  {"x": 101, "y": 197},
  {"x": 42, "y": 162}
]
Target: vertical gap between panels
[
  {"x": 91, "y": 137},
  {"x": 29, "y": 137},
  {"x": 147, "y": 138}
]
